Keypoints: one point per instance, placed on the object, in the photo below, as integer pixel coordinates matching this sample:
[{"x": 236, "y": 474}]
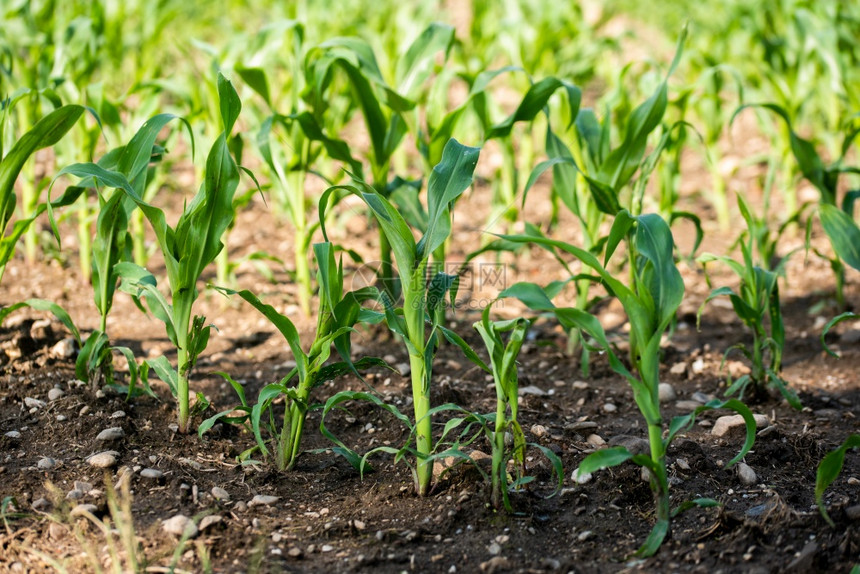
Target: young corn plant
[
  {"x": 757, "y": 305},
  {"x": 112, "y": 243},
  {"x": 421, "y": 298},
  {"x": 503, "y": 360},
  {"x": 594, "y": 180},
  {"x": 337, "y": 314},
  {"x": 188, "y": 248},
  {"x": 840, "y": 228},
  {"x": 650, "y": 301},
  {"x": 382, "y": 106}
]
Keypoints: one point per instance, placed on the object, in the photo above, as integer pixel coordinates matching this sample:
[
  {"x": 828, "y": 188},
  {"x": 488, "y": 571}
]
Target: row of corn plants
[{"x": 601, "y": 165}]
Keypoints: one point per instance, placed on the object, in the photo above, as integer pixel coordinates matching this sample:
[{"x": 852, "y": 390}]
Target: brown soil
[{"x": 328, "y": 519}]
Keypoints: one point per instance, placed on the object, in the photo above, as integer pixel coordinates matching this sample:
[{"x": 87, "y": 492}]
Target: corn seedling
[
  {"x": 592, "y": 179},
  {"x": 420, "y": 297},
  {"x": 187, "y": 248},
  {"x": 757, "y": 298},
  {"x": 841, "y": 229},
  {"x": 829, "y": 469},
  {"x": 503, "y": 360},
  {"x": 337, "y": 314},
  {"x": 112, "y": 243},
  {"x": 382, "y": 106},
  {"x": 650, "y": 302}
]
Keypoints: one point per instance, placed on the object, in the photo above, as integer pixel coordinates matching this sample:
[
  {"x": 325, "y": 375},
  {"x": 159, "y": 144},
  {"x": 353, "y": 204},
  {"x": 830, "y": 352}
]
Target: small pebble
[
  {"x": 726, "y": 423},
  {"x": 698, "y": 366},
  {"x": 584, "y": 535},
  {"x": 209, "y": 521},
  {"x": 539, "y": 431},
  {"x": 103, "y": 460},
  {"x": 180, "y": 525},
  {"x": 678, "y": 369},
  {"x": 595, "y": 440},
  {"x": 74, "y": 494},
  {"x": 359, "y": 524},
  {"x": 151, "y": 473},
  {"x": 666, "y": 392},
  {"x": 84, "y": 410},
  {"x": 118, "y": 415},
  {"x": 609, "y": 408},
  {"x": 64, "y": 349},
  {"x": 110, "y": 434},
  {"x": 13, "y": 434},
  {"x": 55, "y": 394},
  {"x": 746, "y": 474},
  {"x": 219, "y": 493},
  {"x": 494, "y": 549},
  {"x": 46, "y": 463},
  {"x": 32, "y": 403},
  {"x": 84, "y": 487},
  {"x": 61, "y": 418},
  {"x": 295, "y": 552},
  {"x": 853, "y": 512},
  {"x": 41, "y": 504},
  {"x": 581, "y": 478},
  {"x": 532, "y": 390},
  {"x": 263, "y": 500}
]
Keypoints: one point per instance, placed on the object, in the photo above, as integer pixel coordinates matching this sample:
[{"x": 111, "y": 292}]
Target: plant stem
[
  {"x": 423, "y": 428},
  {"x": 498, "y": 449},
  {"x": 182, "y": 312},
  {"x": 84, "y": 240}
]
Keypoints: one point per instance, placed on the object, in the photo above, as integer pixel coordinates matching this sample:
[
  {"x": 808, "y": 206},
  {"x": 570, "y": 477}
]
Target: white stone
[
  {"x": 55, "y": 394},
  {"x": 581, "y": 477},
  {"x": 746, "y": 474},
  {"x": 105, "y": 459},
  {"x": 666, "y": 392},
  {"x": 112, "y": 433},
  {"x": 180, "y": 525},
  {"x": 151, "y": 473},
  {"x": 263, "y": 500},
  {"x": 725, "y": 423}
]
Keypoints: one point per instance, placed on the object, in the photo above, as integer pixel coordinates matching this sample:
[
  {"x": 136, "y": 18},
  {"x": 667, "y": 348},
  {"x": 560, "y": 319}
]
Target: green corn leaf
[
  {"x": 695, "y": 503},
  {"x": 843, "y": 232},
  {"x": 604, "y": 458},
  {"x": 44, "y": 305},
  {"x": 830, "y": 324},
  {"x": 165, "y": 372},
  {"x": 137, "y": 282},
  {"x": 534, "y": 102},
  {"x": 470, "y": 354},
  {"x": 654, "y": 242},
  {"x": 829, "y": 469},
  {"x": 256, "y": 80},
  {"x": 229, "y": 103},
  {"x": 449, "y": 179},
  {"x": 282, "y": 323},
  {"x": 46, "y": 132},
  {"x": 267, "y": 395},
  {"x": 352, "y": 457},
  {"x": 91, "y": 355},
  {"x": 416, "y": 66}
]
